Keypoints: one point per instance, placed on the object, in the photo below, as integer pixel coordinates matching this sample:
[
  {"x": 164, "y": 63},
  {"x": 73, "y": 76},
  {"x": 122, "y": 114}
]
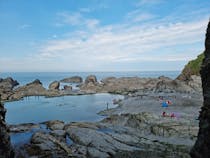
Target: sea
[{"x": 47, "y": 77}]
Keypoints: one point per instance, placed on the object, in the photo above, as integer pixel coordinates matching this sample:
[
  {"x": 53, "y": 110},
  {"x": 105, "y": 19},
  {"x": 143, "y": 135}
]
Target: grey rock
[
  {"x": 55, "y": 125},
  {"x": 54, "y": 85},
  {"x": 91, "y": 79},
  {"x": 74, "y": 79},
  {"x": 23, "y": 127},
  {"x": 94, "y": 153},
  {"x": 6, "y": 87},
  {"x": 47, "y": 144},
  {"x": 67, "y": 88},
  {"x": 34, "y": 88}
]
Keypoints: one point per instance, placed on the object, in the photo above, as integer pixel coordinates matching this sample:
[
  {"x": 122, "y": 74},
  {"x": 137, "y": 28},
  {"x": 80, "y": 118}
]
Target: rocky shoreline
[
  {"x": 136, "y": 128},
  {"x": 123, "y": 85}
]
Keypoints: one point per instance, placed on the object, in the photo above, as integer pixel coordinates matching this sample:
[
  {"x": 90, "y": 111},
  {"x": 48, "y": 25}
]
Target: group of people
[
  {"x": 172, "y": 115},
  {"x": 165, "y": 104}
]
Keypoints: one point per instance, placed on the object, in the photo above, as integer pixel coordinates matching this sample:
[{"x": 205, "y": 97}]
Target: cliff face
[
  {"x": 201, "y": 148},
  {"x": 192, "y": 68},
  {"x": 5, "y": 146}
]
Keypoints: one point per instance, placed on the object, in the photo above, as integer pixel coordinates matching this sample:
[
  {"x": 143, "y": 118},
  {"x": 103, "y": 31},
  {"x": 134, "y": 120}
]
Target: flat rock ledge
[{"x": 127, "y": 135}]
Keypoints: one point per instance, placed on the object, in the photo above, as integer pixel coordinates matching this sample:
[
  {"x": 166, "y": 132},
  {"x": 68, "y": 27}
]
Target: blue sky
[{"x": 101, "y": 35}]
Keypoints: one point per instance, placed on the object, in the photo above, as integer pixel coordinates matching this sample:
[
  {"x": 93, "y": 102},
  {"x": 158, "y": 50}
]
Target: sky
[{"x": 101, "y": 35}]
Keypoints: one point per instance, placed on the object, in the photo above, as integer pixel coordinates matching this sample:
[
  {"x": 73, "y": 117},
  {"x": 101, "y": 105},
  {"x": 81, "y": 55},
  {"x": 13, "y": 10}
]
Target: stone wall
[{"x": 201, "y": 148}]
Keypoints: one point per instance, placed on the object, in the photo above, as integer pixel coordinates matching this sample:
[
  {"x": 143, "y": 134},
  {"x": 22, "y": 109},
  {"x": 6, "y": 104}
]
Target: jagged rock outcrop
[
  {"x": 91, "y": 79},
  {"x": 201, "y": 148},
  {"x": 54, "y": 85},
  {"x": 6, "y": 87},
  {"x": 6, "y": 150},
  {"x": 34, "y": 88},
  {"x": 173, "y": 86},
  {"x": 74, "y": 79},
  {"x": 8, "y": 83}
]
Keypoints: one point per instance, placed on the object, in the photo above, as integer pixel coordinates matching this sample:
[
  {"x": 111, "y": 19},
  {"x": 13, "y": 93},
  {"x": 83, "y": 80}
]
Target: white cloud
[
  {"x": 76, "y": 19},
  {"x": 139, "y": 16},
  {"x": 122, "y": 44},
  {"x": 95, "y": 47}
]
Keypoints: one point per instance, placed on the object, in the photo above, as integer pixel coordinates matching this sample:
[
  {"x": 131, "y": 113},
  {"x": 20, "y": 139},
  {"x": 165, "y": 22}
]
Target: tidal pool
[{"x": 66, "y": 108}]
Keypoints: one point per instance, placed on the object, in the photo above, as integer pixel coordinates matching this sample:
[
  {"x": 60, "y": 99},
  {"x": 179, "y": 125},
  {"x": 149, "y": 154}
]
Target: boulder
[
  {"x": 54, "y": 85},
  {"x": 8, "y": 83},
  {"x": 91, "y": 79},
  {"x": 74, "y": 79},
  {"x": 36, "y": 81},
  {"x": 55, "y": 125},
  {"x": 67, "y": 88},
  {"x": 6, "y": 87}
]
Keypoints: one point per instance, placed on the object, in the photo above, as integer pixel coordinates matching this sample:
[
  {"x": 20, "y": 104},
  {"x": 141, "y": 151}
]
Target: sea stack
[{"x": 201, "y": 148}]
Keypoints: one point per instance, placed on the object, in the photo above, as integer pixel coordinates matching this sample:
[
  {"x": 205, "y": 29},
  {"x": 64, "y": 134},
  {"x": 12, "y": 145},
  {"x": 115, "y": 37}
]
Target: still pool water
[{"x": 66, "y": 108}]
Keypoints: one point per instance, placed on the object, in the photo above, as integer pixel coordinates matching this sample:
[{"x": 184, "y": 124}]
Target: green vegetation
[
  {"x": 195, "y": 65},
  {"x": 192, "y": 68}
]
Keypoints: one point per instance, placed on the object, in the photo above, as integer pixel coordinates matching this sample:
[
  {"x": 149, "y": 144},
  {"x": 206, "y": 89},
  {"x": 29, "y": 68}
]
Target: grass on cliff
[
  {"x": 195, "y": 65},
  {"x": 192, "y": 68}
]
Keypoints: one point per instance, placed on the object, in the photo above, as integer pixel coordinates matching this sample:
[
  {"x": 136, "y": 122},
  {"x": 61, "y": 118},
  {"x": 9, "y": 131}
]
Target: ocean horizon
[{"x": 47, "y": 77}]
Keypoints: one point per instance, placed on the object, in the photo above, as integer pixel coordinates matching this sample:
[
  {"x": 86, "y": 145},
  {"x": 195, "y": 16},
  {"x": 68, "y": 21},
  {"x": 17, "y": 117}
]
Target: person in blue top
[{"x": 164, "y": 104}]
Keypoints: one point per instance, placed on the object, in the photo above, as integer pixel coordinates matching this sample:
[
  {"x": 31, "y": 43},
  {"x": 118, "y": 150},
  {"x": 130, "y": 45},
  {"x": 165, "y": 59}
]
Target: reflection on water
[{"x": 66, "y": 108}]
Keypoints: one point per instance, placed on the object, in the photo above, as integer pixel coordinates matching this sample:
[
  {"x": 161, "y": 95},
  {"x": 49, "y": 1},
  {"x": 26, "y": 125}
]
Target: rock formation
[
  {"x": 125, "y": 85},
  {"x": 91, "y": 79},
  {"x": 5, "y": 146},
  {"x": 6, "y": 87},
  {"x": 74, "y": 79},
  {"x": 201, "y": 148},
  {"x": 54, "y": 85},
  {"x": 34, "y": 88},
  {"x": 126, "y": 136},
  {"x": 67, "y": 88}
]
